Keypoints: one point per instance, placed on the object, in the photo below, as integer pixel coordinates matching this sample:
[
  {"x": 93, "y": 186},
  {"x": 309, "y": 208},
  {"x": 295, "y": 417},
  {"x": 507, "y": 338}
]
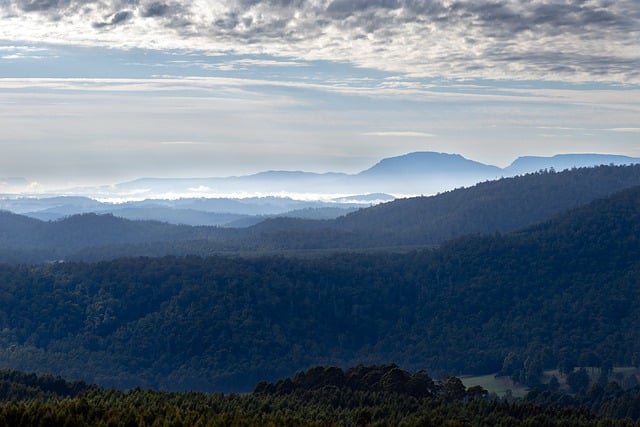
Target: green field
[
  {"x": 497, "y": 385},
  {"x": 501, "y": 385}
]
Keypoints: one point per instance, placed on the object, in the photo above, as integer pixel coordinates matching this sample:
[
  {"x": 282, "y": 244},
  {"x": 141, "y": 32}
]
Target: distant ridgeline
[
  {"x": 412, "y": 173},
  {"x": 560, "y": 294},
  {"x": 323, "y": 395},
  {"x": 504, "y": 205}
]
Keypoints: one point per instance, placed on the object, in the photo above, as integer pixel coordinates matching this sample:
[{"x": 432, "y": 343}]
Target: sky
[{"x": 105, "y": 91}]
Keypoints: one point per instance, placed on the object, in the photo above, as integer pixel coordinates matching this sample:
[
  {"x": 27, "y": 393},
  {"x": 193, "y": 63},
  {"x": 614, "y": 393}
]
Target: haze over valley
[{"x": 242, "y": 201}]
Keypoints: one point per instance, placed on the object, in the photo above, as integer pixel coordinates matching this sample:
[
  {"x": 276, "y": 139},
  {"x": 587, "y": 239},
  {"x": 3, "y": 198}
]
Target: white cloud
[
  {"x": 180, "y": 143},
  {"x": 625, "y": 130},
  {"x": 401, "y": 134},
  {"x": 573, "y": 41}
]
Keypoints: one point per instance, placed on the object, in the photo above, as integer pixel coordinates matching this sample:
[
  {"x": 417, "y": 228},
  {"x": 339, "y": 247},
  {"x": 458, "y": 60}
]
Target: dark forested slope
[
  {"x": 27, "y": 240},
  {"x": 556, "y": 293},
  {"x": 503, "y": 205}
]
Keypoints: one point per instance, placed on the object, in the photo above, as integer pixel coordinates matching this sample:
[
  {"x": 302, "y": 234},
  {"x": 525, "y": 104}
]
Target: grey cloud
[
  {"x": 342, "y": 8},
  {"x": 53, "y": 10},
  {"x": 514, "y": 15},
  {"x": 54, "y": 6},
  {"x": 39, "y": 5},
  {"x": 120, "y": 17},
  {"x": 275, "y": 3},
  {"x": 228, "y": 22},
  {"x": 569, "y": 15},
  {"x": 494, "y": 14},
  {"x": 493, "y": 27},
  {"x": 115, "y": 19},
  {"x": 428, "y": 37},
  {"x": 173, "y": 14},
  {"x": 156, "y": 9}
]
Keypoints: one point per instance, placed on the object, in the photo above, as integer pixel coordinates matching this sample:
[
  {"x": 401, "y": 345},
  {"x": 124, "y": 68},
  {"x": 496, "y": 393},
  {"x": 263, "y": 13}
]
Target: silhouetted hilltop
[{"x": 429, "y": 163}]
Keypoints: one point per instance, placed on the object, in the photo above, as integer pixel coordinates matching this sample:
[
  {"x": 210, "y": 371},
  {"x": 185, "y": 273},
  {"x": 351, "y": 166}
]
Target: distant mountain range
[
  {"x": 223, "y": 212},
  {"x": 410, "y": 174},
  {"x": 297, "y": 194},
  {"x": 503, "y": 205}
]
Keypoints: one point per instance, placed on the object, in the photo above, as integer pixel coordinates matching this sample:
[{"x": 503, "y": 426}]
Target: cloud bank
[{"x": 571, "y": 41}]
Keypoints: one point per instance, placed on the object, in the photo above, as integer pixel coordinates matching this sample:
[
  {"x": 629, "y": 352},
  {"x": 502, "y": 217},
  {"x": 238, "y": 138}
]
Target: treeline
[
  {"x": 365, "y": 395},
  {"x": 558, "y": 295},
  {"x": 17, "y": 385},
  {"x": 608, "y": 401}
]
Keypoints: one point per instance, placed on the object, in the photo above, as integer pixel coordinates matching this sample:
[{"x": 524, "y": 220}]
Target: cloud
[
  {"x": 626, "y": 130},
  {"x": 31, "y": 5},
  {"x": 11, "y": 53},
  {"x": 156, "y": 9},
  {"x": 246, "y": 64},
  {"x": 573, "y": 40},
  {"x": 115, "y": 19},
  {"x": 180, "y": 143},
  {"x": 559, "y": 128},
  {"x": 402, "y": 134}
]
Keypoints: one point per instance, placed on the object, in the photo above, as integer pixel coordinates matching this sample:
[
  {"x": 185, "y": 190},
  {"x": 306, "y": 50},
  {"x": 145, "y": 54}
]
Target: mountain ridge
[
  {"x": 428, "y": 161},
  {"x": 504, "y": 205},
  {"x": 561, "y": 162},
  {"x": 414, "y": 173},
  {"x": 419, "y": 172}
]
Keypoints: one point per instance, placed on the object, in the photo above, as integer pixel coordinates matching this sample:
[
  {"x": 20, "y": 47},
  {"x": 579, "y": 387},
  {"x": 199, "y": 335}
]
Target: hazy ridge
[{"x": 494, "y": 206}]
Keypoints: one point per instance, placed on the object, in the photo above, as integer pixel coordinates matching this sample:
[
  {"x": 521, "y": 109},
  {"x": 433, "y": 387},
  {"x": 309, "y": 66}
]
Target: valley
[{"x": 521, "y": 282}]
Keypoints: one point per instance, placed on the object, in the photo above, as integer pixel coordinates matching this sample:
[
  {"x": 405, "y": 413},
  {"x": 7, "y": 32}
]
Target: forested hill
[
  {"x": 382, "y": 395},
  {"x": 554, "y": 294},
  {"x": 494, "y": 206},
  {"x": 27, "y": 240}
]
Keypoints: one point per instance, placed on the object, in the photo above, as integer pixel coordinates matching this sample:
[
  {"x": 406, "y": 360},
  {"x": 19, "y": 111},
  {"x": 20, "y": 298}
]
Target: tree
[
  {"x": 477, "y": 392},
  {"x": 566, "y": 365},
  {"x": 578, "y": 380},
  {"x": 510, "y": 364},
  {"x": 453, "y": 389}
]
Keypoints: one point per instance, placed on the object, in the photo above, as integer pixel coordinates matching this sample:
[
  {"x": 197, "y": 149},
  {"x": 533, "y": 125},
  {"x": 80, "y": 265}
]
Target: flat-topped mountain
[
  {"x": 427, "y": 163},
  {"x": 560, "y": 162}
]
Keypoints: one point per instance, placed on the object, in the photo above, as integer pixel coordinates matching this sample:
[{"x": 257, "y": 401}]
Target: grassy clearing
[
  {"x": 501, "y": 385},
  {"x": 497, "y": 385}
]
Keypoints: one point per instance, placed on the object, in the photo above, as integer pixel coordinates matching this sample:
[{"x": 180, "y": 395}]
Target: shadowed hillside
[
  {"x": 551, "y": 295},
  {"x": 493, "y": 206}
]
